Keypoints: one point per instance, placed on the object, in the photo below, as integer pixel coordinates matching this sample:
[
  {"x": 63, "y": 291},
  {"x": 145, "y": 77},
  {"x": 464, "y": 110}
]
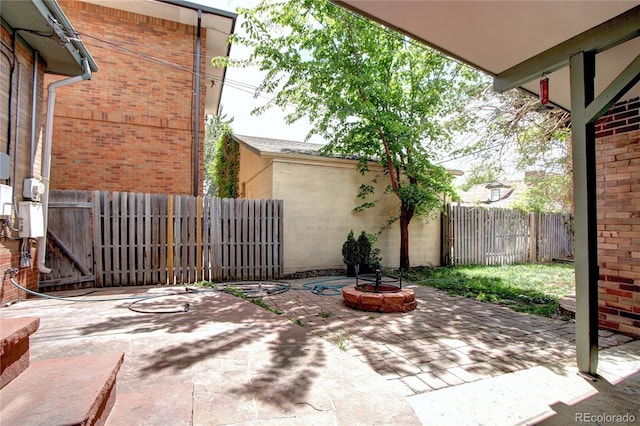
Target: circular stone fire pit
[{"x": 387, "y": 299}]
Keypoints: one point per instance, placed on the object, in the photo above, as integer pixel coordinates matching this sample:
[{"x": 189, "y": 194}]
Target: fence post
[
  {"x": 533, "y": 246},
  {"x": 199, "y": 271},
  {"x": 96, "y": 214},
  {"x": 170, "y": 239},
  {"x": 445, "y": 245}
]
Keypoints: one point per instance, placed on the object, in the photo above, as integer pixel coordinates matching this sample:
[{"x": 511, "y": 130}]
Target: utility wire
[
  {"x": 478, "y": 151},
  {"x": 240, "y": 85},
  {"x": 234, "y": 84}
]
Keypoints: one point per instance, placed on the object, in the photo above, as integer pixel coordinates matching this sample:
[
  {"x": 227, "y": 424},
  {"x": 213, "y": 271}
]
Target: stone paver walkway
[{"x": 447, "y": 341}]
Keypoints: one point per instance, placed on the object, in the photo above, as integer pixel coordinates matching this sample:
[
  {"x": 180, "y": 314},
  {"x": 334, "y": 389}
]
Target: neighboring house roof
[
  {"x": 508, "y": 192},
  {"x": 62, "y": 52},
  {"x": 267, "y": 147},
  {"x": 293, "y": 150},
  {"x": 262, "y": 146}
]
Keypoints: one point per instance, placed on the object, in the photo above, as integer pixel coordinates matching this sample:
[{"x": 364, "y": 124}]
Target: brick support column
[{"x": 618, "y": 187}]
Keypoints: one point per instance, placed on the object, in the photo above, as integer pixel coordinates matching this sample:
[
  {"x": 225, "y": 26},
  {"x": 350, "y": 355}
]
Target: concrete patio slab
[
  {"x": 548, "y": 394},
  {"x": 154, "y": 405}
]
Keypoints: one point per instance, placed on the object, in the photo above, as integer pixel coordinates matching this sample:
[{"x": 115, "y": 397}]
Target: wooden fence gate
[
  {"x": 146, "y": 239},
  {"x": 69, "y": 244},
  {"x": 480, "y": 236}
]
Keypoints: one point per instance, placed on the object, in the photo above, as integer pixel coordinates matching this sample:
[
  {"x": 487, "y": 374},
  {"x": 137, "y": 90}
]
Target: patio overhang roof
[
  {"x": 589, "y": 50},
  {"x": 517, "y": 42},
  {"x": 46, "y": 29}
]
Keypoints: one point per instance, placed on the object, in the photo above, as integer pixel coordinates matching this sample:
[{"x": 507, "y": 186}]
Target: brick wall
[
  {"x": 20, "y": 138},
  {"x": 131, "y": 127},
  {"x": 27, "y": 277},
  {"x": 618, "y": 168}
]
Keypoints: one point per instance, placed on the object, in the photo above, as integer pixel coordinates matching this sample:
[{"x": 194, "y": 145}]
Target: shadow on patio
[
  {"x": 447, "y": 341},
  {"x": 246, "y": 364}
]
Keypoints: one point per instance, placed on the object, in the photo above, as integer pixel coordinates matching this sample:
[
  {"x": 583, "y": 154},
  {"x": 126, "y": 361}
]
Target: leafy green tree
[
  {"x": 214, "y": 127},
  {"x": 483, "y": 173},
  {"x": 517, "y": 133},
  {"x": 547, "y": 193},
  {"x": 369, "y": 91}
]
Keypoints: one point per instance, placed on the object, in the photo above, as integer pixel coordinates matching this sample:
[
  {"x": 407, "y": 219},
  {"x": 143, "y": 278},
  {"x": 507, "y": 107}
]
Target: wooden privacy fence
[
  {"x": 144, "y": 239},
  {"x": 480, "y": 236},
  {"x": 554, "y": 233}
]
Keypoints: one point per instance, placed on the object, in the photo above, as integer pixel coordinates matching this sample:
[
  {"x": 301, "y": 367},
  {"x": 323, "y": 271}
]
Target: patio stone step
[
  {"x": 160, "y": 404},
  {"x": 568, "y": 305},
  {"x": 14, "y": 348},
  {"x": 64, "y": 391}
]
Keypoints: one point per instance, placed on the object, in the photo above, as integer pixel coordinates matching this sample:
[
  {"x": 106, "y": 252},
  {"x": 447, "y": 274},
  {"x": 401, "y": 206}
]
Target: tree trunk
[{"x": 406, "y": 214}]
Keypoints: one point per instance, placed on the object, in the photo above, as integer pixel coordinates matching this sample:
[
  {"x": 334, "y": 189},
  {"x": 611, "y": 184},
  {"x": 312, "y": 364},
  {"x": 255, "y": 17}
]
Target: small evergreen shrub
[{"x": 351, "y": 250}]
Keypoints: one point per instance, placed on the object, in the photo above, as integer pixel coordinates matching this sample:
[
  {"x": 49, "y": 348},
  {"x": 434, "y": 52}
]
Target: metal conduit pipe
[
  {"x": 196, "y": 124},
  {"x": 46, "y": 154}
]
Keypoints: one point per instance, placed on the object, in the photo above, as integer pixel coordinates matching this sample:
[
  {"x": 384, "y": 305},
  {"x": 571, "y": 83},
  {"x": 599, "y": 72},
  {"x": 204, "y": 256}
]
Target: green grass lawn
[{"x": 532, "y": 288}]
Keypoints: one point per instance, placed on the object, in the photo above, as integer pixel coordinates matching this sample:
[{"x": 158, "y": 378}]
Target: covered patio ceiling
[{"x": 496, "y": 36}]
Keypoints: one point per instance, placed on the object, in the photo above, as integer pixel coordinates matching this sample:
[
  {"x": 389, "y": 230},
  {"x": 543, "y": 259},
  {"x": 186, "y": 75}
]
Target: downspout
[
  {"x": 196, "y": 124},
  {"x": 16, "y": 151},
  {"x": 34, "y": 110},
  {"x": 46, "y": 154}
]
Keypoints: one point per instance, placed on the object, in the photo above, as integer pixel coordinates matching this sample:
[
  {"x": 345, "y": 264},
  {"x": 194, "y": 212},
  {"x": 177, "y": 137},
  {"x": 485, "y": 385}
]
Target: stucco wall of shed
[
  {"x": 255, "y": 175},
  {"x": 319, "y": 197}
]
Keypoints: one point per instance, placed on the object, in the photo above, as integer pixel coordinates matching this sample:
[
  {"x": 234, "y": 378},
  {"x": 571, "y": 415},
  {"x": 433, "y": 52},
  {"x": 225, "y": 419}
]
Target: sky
[{"x": 237, "y": 102}]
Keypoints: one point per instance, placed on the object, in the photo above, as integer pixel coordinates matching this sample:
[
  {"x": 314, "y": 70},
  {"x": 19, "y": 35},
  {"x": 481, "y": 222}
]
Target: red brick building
[
  {"x": 618, "y": 159},
  {"x": 30, "y": 47},
  {"x": 138, "y": 125},
  {"x": 135, "y": 125},
  {"x": 10, "y": 248}
]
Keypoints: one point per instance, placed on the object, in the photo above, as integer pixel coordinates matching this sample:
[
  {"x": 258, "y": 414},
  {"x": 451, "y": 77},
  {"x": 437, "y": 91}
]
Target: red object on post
[{"x": 544, "y": 91}]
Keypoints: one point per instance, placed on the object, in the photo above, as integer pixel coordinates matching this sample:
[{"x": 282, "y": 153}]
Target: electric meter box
[
  {"x": 5, "y": 165},
  {"x": 31, "y": 220},
  {"x": 6, "y": 201},
  {"x": 32, "y": 189}
]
